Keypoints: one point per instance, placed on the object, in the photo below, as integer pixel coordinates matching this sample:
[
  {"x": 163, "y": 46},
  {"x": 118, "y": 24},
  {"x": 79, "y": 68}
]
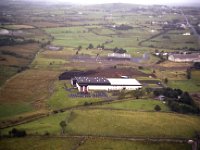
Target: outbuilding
[{"x": 184, "y": 57}]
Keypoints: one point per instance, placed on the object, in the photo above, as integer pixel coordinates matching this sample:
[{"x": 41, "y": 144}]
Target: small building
[
  {"x": 118, "y": 56},
  {"x": 86, "y": 84},
  {"x": 195, "y": 57}
]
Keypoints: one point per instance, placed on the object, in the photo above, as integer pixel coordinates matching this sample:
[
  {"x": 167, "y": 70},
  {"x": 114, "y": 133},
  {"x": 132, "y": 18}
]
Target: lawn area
[
  {"x": 7, "y": 110},
  {"x": 137, "y": 105},
  {"x": 61, "y": 99},
  {"x": 46, "y": 143},
  {"x": 117, "y": 123},
  {"x": 42, "y": 143},
  {"x": 185, "y": 85}
]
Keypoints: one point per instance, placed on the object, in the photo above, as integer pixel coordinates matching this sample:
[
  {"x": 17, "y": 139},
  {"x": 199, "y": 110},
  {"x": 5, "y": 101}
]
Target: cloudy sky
[{"x": 147, "y": 2}]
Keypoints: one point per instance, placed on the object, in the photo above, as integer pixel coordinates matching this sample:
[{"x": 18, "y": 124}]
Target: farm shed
[
  {"x": 184, "y": 57},
  {"x": 86, "y": 84},
  {"x": 118, "y": 56}
]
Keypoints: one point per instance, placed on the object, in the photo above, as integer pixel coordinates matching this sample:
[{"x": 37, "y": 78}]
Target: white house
[{"x": 86, "y": 84}]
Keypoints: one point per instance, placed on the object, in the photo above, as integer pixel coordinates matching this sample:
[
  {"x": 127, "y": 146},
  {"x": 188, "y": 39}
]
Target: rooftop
[
  {"x": 106, "y": 81},
  {"x": 92, "y": 80},
  {"x": 186, "y": 56}
]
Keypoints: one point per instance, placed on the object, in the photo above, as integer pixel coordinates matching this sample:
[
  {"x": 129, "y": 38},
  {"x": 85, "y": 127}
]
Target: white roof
[{"x": 123, "y": 81}]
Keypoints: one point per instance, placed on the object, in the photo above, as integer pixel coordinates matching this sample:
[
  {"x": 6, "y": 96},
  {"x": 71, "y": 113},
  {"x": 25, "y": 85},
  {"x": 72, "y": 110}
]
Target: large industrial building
[
  {"x": 86, "y": 84},
  {"x": 195, "y": 57}
]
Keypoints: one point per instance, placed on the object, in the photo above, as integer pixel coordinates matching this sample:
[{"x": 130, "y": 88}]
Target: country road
[{"x": 190, "y": 25}]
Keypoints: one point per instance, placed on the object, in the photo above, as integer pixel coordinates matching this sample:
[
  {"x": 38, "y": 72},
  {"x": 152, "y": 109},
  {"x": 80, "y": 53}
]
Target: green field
[
  {"x": 185, "y": 85},
  {"x": 137, "y": 105},
  {"x": 8, "y": 110},
  {"x": 75, "y": 36},
  {"x": 46, "y": 143},
  {"x": 116, "y": 123}
]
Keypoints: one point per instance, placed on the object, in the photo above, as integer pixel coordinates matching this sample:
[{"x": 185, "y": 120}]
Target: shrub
[
  {"x": 157, "y": 108},
  {"x": 17, "y": 133}
]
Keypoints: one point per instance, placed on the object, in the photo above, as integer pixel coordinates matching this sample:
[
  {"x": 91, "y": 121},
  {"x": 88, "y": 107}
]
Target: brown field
[
  {"x": 29, "y": 86},
  {"x": 27, "y": 51},
  {"x": 170, "y": 64}
]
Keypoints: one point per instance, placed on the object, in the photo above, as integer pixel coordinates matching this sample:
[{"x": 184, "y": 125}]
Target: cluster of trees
[
  {"x": 3, "y": 52},
  {"x": 17, "y": 133},
  {"x": 178, "y": 100},
  {"x": 12, "y": 41},
  {"x": 90, "y": 46},
  {"x": 123, "y": 27},
  {"x": 188, "y": 73},
  {"x": 100, "y": 46},
  {"x": 119, "y": 50},
  {"x": 196, "y": 65}
]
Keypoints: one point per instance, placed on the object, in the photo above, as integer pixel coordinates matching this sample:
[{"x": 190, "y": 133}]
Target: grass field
[
  {"x": 75, "y": 36},
  {"x": 137, "y": 105},
  {"x": 185, "y": 85},
  {"x": 117, "y": 123},
  {"x": 46, "y": 143},
  {"x": 7, "y": 110}
]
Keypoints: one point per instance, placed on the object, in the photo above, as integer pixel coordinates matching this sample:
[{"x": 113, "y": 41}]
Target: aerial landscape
[{"x": 99, "y": 75}]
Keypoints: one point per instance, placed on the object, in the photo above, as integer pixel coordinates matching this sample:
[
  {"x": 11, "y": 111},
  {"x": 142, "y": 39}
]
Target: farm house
[{"x": 86, "y": 84}]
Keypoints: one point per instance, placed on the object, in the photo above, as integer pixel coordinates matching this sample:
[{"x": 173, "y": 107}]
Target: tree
[
  {"x": 63, "y": 126},
  {"x": 90, "y": 46},
  {"x": 138, "y": 93},
  {"x": 122, "y": 94},
  {"x": 157, "y": 108},
  {"x": 79, "y": 47},
  {"x": 166, "y": 80},
  {"x": 188, "y": 73},
  {"x": 17, "y": 133}
]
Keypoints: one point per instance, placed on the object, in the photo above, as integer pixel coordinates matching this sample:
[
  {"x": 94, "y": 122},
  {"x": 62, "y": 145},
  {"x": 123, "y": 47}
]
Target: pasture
[
  {"x": 116, "y": 123},
  {"x": 136, "y": 105}
]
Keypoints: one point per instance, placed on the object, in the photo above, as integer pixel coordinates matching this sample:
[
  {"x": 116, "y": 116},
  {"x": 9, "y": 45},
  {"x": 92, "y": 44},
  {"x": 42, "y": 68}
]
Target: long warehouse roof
[{"x": 121, "y": 81}]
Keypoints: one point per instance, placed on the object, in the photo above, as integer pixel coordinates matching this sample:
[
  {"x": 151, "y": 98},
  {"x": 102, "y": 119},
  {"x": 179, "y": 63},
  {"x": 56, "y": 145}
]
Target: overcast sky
[{"x": 147, "y": 2}]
